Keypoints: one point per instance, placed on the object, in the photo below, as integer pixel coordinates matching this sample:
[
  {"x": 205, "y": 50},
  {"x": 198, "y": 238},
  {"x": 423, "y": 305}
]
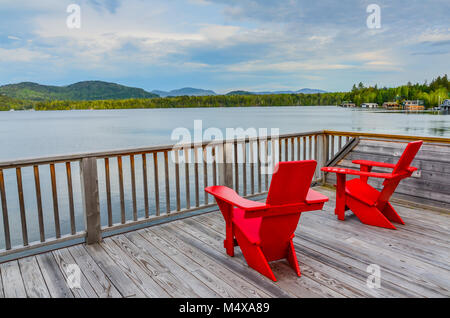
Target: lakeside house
[
  {"x": 369, "y": 105},
  {"x": 413, "y": 105},
  {"x": 348, "y": 104},
  {"x": 445, "y": 105},
  {"x": 391, "y": 105}
]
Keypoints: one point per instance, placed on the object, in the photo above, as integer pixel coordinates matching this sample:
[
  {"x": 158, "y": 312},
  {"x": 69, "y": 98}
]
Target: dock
[
  {"x": 148, "y": 229},
  {"x": 185, "y": 258}
]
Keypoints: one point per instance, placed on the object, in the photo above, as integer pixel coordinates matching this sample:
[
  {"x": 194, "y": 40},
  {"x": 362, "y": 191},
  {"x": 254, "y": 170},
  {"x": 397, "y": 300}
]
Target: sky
[{"x": 225, "y": 45}]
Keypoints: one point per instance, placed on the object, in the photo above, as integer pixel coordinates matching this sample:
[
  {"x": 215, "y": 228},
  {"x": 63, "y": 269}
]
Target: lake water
[
  {"x": 25, "y": 134},
  {"x": 35, "y": 134}
]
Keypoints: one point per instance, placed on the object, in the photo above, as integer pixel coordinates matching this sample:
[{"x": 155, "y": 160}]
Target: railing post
[
  {"x": 322, "y": 156},
  {"x": 89, "y": 191},
  {"x": 226, "y": 165}
]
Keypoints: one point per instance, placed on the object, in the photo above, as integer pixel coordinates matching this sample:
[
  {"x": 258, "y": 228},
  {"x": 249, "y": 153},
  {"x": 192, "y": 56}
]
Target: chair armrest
[
  {"x": 230, "y": 196},
  {"x": 374, "y": 163},
  {"x": 359, "y": 173},
  {"x": 380, "y": 164},
  {"x": 315, "y": 197}
]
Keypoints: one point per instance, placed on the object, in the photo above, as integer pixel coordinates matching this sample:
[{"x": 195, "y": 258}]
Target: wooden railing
[{"x": 51, "y": 202}]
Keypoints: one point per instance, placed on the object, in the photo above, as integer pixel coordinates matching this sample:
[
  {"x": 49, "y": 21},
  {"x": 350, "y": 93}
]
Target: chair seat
[
  {"x": 362, "y": 191},
  {"x": 249, "y": 226}
]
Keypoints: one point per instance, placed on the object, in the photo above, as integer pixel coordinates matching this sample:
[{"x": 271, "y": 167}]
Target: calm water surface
[{"x": 34, "y": 134}]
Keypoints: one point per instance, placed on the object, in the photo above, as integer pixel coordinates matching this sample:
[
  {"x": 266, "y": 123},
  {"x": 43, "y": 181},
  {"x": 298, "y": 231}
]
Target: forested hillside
[
  {"x": 431, "y": 93},
  {"x": 88, "y": 90}
]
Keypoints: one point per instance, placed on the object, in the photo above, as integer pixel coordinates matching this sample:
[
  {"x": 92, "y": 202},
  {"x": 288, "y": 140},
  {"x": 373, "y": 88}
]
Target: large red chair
[
  {"x": 371, "y": 206},
  {"x": 264, "y": 231}
]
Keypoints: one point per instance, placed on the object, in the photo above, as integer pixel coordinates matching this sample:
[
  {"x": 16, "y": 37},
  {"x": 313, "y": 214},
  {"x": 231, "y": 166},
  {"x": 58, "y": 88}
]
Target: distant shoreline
[
  {"x": 429, "y": 94},
  {"x": 372, "y": 110},
  {"x": 178, "y": 107}
]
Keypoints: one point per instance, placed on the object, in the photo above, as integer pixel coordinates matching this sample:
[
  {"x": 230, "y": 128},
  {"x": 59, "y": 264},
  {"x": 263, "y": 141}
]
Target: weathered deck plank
[
  {"x": 32, "y": 278},
  {"x": 215, "y": 284},
  {"x": 64, "y": 259},
  {"x": 171, "y": 277},
  {"x": 98, "y": 280},
  {"x": 121, "y": 278},
  {"x": 185, "y": 258},
  {"x": 12, "y": 280},
  {"x": 201, "y": 241},
  {"x": 2, "y": 294},
  {"x": 53, "y": 277},
  {"x": 192, "y": 254},
  {"x": 138, "y": 276}
]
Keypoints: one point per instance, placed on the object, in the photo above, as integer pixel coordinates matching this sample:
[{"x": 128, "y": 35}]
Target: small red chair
[
  {"x": 371, "y": 206},
  {"x": 264, "y": 231}
]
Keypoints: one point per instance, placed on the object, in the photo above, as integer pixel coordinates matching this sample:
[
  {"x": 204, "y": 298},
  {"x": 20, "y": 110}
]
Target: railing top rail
[
  {"x": 131, "y": 151},
  {"x": 388, "y": 136},
  {"x": 160, "y": 148}
]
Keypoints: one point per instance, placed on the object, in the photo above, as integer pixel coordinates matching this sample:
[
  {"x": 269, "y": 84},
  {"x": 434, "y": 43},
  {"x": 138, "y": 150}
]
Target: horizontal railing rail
[
  {"x": 116, "y": 152},
  {"x": 67, "y": 199},
  {"x": 387, "y": 136}
]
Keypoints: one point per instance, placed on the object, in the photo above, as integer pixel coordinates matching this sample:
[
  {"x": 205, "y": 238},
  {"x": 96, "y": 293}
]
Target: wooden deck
[{"x": 185, "y": 258}]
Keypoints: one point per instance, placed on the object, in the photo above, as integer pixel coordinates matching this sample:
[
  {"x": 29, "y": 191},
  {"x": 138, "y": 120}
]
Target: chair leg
[
  {"x": 369, "y": 215},
  {"x": 229, "y": 241},
  {"x": 227, "y": 212},
  {"x": 391, "y": 214},
  {"x": 292, "y": 258},
  {"x": 254, "y": 256},
  {"x": 340, "y": 197}
]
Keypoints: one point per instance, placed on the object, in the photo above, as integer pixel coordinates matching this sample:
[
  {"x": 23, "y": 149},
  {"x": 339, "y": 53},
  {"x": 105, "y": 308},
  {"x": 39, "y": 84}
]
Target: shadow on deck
[{"x": 185, "y": 258}]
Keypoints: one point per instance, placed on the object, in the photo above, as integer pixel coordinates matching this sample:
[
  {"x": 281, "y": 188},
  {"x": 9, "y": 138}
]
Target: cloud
[
  {"x": 435, "y": 36},
  {"x": 377, "y": 60},
  {"x": 289, "y": 67},
  {"x": 225, "y": 43},
  {"x": 21, "y": 55},
  {"x": 219, "y": 32},
  {"x": 110, "y": 5},
  {"x": 199, "y": 2}
]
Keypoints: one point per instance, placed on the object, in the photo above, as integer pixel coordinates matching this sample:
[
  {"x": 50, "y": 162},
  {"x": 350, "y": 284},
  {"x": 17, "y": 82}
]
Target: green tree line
[
  {"x": 433, "y": 93},
  {"x": 7, "y": 103}
]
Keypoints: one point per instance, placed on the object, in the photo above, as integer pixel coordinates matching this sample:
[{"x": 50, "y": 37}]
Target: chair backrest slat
[
  {"x": 407, "y": 157},
  {"x": 389, "y": 185},
  {"x": 290, "y": 182}
]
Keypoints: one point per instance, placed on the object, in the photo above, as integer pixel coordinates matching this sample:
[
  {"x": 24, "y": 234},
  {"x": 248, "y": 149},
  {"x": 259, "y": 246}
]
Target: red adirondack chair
[
  {"x": 264, "y": 231},
  {"x": 371, "y": 206}
]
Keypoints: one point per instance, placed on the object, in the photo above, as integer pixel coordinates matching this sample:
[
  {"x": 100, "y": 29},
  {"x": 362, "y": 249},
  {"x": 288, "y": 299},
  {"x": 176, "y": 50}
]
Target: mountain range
[
  {"x": 98, "y": 90},
  {"x": 300, "y": 91},
  {"x": 186, "y": 91},
  {"x": 189, "y": 91},
  {"x": 87, "y": 90}
]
